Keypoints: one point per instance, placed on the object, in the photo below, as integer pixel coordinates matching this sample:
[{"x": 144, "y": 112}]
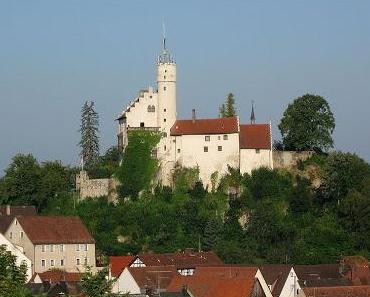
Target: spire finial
[
  {"x": 164, "y": 35},
  {"x": 253, "y": 117}
]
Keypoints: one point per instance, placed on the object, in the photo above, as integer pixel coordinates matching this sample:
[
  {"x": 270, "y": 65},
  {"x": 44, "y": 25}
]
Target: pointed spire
[
  {"x": 253, "y": 117},
  {"x": 164, "y": 56}
]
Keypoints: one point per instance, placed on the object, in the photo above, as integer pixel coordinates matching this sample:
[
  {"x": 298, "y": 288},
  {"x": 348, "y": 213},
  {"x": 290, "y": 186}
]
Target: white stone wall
[
  {"x": 18, "y": 253},
  {"x": 192, "y": 153},
  {"x": 252, "y": 159}
]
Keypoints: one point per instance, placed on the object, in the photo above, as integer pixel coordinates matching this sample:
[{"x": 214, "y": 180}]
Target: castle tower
[{"x": 166, "y": 83}]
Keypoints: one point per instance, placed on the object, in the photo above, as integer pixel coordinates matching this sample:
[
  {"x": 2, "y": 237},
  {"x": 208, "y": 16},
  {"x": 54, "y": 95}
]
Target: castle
[{"x": 209, "y": 144}]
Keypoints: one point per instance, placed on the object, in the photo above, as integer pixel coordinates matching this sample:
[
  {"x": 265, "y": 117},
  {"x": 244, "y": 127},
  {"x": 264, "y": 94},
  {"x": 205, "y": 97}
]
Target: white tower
[{"x": 166, "y": 83}]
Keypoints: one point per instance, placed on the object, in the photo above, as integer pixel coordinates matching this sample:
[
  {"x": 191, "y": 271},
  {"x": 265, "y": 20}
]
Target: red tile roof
[
  {"x": 181, "y": 260},
  {"x": 352, "y": 291},
  {"x": 55, "y": 229},
  {"x": 205, "y": 126},
  {"x": 17, "y": 210},
  {"x": 153, "y": 277},
  {"x": 255, "y": 136},
  {"x": 217, "y": 282},
  {"x": 5, "y": 222},
  {"x": 57, "y": 275},
  {"x": 276, "y": 276},
  {"x": 119, "y": 263}
]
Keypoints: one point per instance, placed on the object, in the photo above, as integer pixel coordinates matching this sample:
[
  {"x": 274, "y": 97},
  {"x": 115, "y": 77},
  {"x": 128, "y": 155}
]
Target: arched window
[{"x": 151, "y": 108}]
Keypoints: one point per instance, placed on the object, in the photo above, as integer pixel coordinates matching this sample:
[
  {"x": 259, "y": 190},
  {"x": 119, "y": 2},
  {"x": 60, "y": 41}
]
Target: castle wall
[
  {"x": 190, "y": 152},
  {"x": 289, "y": 159},
  {"x": 252, "y": 159}
]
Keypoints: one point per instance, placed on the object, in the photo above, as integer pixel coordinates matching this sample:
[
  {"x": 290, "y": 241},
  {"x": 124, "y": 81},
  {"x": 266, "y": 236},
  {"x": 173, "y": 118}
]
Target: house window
[
  {"x": 62, "y": 247},
  {"x": 226, "y": 137},
  {"x": 164, "y": 110},
  {"x": 62, "y": 262},
  {"x": 21, "y": 235},
  {"x": 151, "y": 108},
  {"x": 77, "y": 261},
  {"x": 77, "y": 247},
  {"x": 219, "y": 137},
  {"x": 165, "y": 70},
  {"x": 43, "y": 263},
  {"x": 11, "y": 235},
  {"x": 165, "y": 147},
  {"x": 164, "y": 120},
  {"x": 178, "y": 150},
  {"x": 85, "y": 247},
  {"x": 257, "y": 151},
  {"x": 142, "y": 124},
  {"x": 43, "y": 248},
  {"x": 164, "y": 77},
  {"x": 205, "y": 149},
  {"x": 164, "y": 88},
  {"x": 219, "y": 148},
  {"x": 52, "y": 248},
  {"x": 207, "y": 138},
  {"x": 164, "y": 134},
  {"x": 150, "y": 96},
  {"x": 85, "y": 261},
  {"x": 52, "y": 263}
]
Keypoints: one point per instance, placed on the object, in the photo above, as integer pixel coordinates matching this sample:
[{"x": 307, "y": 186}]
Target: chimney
[
  {"x": 8, "y": 210},
  {"x": 193, "y": 117}
]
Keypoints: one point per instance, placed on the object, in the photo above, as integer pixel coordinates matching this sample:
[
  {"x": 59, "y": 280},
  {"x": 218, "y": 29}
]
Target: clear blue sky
[{"x": 56, "y": 54}]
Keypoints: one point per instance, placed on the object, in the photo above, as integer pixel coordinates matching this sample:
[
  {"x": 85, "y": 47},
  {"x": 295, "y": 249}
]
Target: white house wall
[
  {"x": 263, "y": 284},
  {"x": 288, "y": 289},
  {"x": 125, "y": 283},
  {"x": 250, "y": 159},
  {"x": 192, "y": 153},
  {"x": 20, "y": 257}
]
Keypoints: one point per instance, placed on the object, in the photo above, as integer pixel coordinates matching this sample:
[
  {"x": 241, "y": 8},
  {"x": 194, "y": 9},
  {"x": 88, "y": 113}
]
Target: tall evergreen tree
[
  {"x": 227, "y": 109},
  {"x": 89, "y": 129}
]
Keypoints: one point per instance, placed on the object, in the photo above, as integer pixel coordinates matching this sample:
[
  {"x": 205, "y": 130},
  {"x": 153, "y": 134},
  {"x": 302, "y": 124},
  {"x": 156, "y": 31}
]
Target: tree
[
  {"x": 12, "y": 277},
  {"x": 89, "y": 129},
  {"x": 308, "y": 124},
  {"x": 301, "y": 198},
  {"x": 21, "y": 181},
  {"x": 212, "y": 233},
  {"x": 98, "y": 284},
  {"x": 138, "y": 166},
  {"x": 227, "y": 109}
]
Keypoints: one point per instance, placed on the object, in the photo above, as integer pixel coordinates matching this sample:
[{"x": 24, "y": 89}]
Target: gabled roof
[
  {"x": 55, "y": 229},
  {"x": 56, "y": 275},
  {"x": 181, "y": 260},
  {"x": 153, "y": 277},
  {"x": 205, "y": 126},
  {"x": 5, "y": 222},
  {"x": 255, "y": 136},
  {"x": 320, "y": 275},
  {"x": 119, "y": 263},
  {"x": 353, "y": 291},
  {"x": 217, "y": 282},
  {"x": 8, "y": 210},
  {"x": 276, "y": 276}
]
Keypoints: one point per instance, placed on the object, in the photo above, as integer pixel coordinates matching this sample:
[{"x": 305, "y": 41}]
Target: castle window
[
  {"x": 219, "y": 148},
  {"x": 164, "y": 77},
  {"x": 207, "y": 138},
  {"x": 51, "y": 262},
  {"x": 62, "y": 247},
  {"x": 164, "y": 120},
  {"x": 257, "y": 151},
  {"x": 150, "y": 96},
  {"x": 165, "y": 148},
  {"x": 43, "y": 263},
  {"x": 51, "y": 248},
  {"x": 61, "y": 262},
  {"x": 165, "y": 70},
  {"x": 11, "y": 235},
  {"x": 219, "y": 137},
  {"x": 77, "y": 247},
  {"x": 77, "y": 261},
  {"x": 85, "y": 247},
  {"x": 178, "y": 150},
  {"x": 164, "y": 88},
  {"x": 142, "y": 124},
  {"x": 21, "y": 235},
  {"x": 164, "y": 110},
  {"x": 205, "y": 149},
  {"x": 151, "y": 108},
  {"x": 226, "y": 137},
  {"x": 43, "y": 248}
]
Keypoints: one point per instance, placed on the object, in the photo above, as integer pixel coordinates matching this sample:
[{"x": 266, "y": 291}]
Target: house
[
  {"x": 118, "y": 263},
  {"x": 55, "y": 276},
  {"x": 21, "y": 258},
  {"x": 53, "y": 242},
  {"x": 230, "y": 281},
  {"x": 212, "y": 145},
  {"x": 281, "y": 280},
  {"x": 185, "y": 261},
  {"x": 144, "y": 280}
]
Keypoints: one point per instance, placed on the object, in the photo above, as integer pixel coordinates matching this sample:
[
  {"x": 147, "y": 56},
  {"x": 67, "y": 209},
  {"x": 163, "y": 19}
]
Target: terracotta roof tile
[
  {"x": 217, "y": 282},
  {"x": 154, "y": 276},
  {"x": 57, "y": 275},
  {"x": 17, "y": 210},
  {"x": 276, "y": 276},
  {"x": 5, "y": 222},
  {"x": 181, "y": 260},
  {"x": 255, "y": 136},
  {"x": 55, "y": 229},
  {"x": 205, "y": 126},
  {"x": 352, "y": 291},
  {"x": 119, "y": 263}
]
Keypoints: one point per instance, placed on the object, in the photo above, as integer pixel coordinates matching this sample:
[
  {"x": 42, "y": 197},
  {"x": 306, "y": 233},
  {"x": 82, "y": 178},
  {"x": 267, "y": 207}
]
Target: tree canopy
[
  {"x": 228, "y": 109},
  {"x": 307, "y": 124}
]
